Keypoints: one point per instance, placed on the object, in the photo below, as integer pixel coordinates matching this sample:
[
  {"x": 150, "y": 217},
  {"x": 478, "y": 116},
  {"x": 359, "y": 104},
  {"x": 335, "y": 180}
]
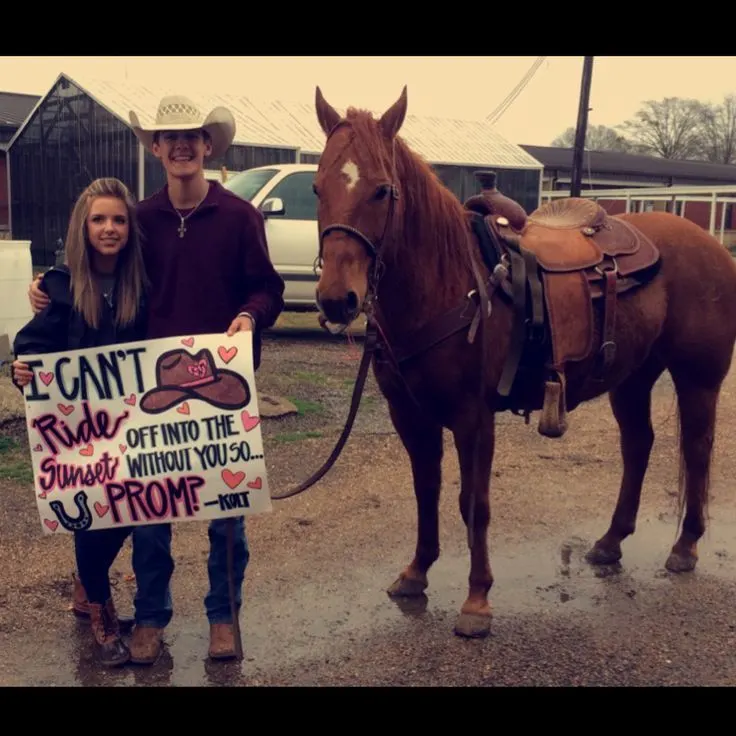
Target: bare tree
[
  {"x": 597, "y": 138},
  {"x": 671, "y": 128},
  {"x": 718, "y": 132}
]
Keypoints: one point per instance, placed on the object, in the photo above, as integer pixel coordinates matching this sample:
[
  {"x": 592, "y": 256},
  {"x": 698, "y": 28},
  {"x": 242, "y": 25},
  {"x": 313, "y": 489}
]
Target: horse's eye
[{"x": 382, "y": 191}]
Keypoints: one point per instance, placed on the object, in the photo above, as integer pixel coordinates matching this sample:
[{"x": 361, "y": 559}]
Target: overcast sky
[{"x": 445, "y": 86}]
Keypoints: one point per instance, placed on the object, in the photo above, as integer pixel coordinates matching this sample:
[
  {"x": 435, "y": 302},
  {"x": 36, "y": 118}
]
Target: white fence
[{"x": 714, "y": 195}]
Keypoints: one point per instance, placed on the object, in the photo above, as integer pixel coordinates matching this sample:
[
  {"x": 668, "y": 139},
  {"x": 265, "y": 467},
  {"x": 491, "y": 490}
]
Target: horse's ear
[
  {"x": 326, "y": 114},
  {"x": 392, "y": 120}
]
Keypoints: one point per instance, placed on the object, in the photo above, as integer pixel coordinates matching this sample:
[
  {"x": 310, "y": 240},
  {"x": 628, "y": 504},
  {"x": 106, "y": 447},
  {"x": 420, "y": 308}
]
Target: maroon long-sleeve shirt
[{"x": 199, "y": 283}]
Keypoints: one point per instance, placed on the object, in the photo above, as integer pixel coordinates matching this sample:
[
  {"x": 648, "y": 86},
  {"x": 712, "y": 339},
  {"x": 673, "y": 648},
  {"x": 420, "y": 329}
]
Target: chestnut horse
[{"x": 614, "y": 301}]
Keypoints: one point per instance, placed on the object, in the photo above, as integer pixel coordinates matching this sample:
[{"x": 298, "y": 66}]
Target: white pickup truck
[{"x": 284, "y": 194}]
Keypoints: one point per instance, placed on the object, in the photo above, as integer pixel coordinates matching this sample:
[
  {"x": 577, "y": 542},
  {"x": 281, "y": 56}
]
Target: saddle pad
[{"x": 570, "y": 312}]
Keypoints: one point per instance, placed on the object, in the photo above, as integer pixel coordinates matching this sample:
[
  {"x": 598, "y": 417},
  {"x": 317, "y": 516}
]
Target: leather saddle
[{"x": 566, "y": 260}]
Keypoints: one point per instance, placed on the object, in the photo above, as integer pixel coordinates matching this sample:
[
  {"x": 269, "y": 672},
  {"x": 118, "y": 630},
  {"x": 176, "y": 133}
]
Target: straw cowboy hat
[{"x": 176, "y": 112}]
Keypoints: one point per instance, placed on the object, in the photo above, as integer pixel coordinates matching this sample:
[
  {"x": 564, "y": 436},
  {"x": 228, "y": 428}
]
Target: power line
[{"x": 495, "y": 116}]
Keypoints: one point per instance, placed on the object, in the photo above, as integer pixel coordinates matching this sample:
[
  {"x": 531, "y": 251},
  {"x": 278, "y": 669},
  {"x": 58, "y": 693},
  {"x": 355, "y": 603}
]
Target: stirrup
[{"x": 553, "y": 421}]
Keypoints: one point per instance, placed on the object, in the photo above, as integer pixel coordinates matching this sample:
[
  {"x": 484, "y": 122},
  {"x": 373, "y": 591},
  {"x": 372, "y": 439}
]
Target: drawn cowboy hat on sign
[
  {"x": 176, "y": 112},
  {"x": 184, "y": 377}
]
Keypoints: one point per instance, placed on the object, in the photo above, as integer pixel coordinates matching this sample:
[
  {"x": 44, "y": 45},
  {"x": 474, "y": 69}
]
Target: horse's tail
[{"x": 701, "y": 489}]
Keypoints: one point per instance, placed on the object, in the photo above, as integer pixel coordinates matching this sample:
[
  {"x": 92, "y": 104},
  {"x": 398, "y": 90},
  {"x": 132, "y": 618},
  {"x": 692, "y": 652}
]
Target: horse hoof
[
  {"x": 600, "y": 555},
  {"x": 681, "y": 562},
  {"x": 407, "y": 587},
  {"x": 473, "y": 625}
]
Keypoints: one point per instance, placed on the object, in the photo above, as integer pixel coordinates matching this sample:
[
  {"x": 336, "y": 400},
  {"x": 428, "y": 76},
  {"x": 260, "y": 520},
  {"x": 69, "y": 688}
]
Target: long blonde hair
[{"x": 130, "y": 271}]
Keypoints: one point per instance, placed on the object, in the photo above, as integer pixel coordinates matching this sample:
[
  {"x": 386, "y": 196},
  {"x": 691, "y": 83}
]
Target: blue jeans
[
  {"x": 153, "y": 566},
  {"x": 95, "y": 552}
]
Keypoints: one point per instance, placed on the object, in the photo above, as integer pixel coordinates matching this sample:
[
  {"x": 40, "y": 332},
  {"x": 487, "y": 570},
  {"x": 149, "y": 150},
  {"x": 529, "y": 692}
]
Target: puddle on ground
[{"x": 316, "y": 620}]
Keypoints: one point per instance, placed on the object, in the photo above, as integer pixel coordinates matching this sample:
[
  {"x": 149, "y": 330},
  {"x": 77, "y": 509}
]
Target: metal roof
[
  {"x": 614, "y": 162},
  {"x": 14, "y": 107},
  {"x": 294, "y": 125}
]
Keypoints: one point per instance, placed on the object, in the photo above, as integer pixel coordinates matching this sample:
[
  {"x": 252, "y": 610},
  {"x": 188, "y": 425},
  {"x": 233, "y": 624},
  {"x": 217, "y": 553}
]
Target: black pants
[{"x": 96, "y": 551}]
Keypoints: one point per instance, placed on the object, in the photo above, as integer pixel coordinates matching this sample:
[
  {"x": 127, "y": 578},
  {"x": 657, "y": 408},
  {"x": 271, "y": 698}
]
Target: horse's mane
[{"x": 432, "y": 244}]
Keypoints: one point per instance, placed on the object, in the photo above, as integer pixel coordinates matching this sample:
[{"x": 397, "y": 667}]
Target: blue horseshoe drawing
[{"x": 82, "y": 522}]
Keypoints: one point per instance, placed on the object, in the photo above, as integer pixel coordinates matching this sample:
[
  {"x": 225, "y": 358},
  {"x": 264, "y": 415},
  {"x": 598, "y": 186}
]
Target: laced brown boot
[
  {"x": 80, "y": 607},
  {"x": 109, "y": 647}
]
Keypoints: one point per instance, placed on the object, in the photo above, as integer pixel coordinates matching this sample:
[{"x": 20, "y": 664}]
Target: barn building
[{"x": 80, "y": 130}]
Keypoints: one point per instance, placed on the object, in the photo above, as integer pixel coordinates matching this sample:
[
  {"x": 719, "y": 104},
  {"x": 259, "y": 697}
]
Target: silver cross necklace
[{"x": 182, "y": 226}]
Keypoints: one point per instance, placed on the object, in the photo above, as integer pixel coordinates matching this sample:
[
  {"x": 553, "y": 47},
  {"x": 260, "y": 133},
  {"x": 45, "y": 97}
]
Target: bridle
[{"x": 372, "y": 248}]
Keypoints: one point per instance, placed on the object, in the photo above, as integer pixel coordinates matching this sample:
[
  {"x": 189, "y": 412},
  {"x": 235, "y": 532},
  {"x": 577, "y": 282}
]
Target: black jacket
[{"x": 60, "y": 327}]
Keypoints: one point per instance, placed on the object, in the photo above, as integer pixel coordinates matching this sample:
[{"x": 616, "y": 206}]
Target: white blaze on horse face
[{"x": 351, "y": 171}]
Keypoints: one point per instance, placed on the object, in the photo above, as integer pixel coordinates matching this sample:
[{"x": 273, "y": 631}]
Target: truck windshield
[{"x": 247, "y": 184}]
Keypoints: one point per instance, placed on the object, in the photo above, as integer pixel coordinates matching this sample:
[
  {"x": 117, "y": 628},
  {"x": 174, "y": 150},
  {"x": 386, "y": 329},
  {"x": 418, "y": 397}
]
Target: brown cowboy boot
[
  {"x": 145, "y": 644},
  {"x": 80, "y": 606},
  {"x": 109, "y": 647},
  {"x": 222, "y": 641}
]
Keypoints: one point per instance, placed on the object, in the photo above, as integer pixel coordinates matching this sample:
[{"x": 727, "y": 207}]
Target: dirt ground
[{"x": 316, "y": 611}]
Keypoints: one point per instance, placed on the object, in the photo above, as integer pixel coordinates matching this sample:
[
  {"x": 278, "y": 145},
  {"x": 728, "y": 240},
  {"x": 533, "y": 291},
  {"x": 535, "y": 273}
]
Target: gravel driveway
[{"x": 316, "y": 609}]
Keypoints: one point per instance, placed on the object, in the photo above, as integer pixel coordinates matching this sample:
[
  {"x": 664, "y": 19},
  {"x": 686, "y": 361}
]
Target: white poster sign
[{"x": 163, "y": 430}]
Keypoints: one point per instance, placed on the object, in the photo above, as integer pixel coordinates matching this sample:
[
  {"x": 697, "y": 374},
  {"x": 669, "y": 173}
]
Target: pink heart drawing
[
  {"x": 227, "y": 354},
  {"x": 65, "y": 409},
  {"x": 38, "y": 448},
  {"x": 87, "y": 451},
  {"x": 198, "y": 370},
  {"x": 51, "y": 524},
  {"x": 249, "y": 422},
  {"x": 188, "y": 341},
  {"x": 184, "y": 408},
  {"x": 101, "y": 509},
  {"x": 257, "y": 484},
  {"x": 123, "y": 448},
  {"x": 232, "y": 480},
  {"x": 130, "y": 401},
  {"x": 46, "y": 378},
  {"x": 42, "y": 494}
]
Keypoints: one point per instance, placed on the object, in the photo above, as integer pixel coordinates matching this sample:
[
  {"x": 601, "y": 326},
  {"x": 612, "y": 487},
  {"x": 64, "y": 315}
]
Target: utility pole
[{"x": 582, "y": 127}]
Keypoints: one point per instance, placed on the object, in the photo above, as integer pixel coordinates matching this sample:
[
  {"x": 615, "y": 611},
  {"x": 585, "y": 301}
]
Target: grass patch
[
  {"x": 8, "y": 444},
  {"x": 18, "y": 471},
  {"x": 285, "y": 437},
  {"x": 307, "y": 377},
  {"x": 304, "y": 406},
  {"x": 298, "y": 320},
  {"x": 309, "y": 320},
  {"x": 14, "y": 465}
]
